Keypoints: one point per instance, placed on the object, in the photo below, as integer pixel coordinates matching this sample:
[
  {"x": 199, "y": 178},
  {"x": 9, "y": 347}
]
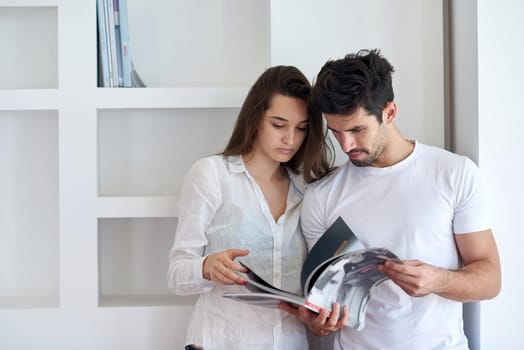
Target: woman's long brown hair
[{"x": 315, "y": 156}]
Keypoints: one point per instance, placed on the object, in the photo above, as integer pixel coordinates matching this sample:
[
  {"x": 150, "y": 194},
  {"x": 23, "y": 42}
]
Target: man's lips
[{"x": 355, "y": 154}]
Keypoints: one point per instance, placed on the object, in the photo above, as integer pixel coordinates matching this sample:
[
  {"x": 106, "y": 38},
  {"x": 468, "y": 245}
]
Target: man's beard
[
  {"x": 379, "y": 145},
  {"x": 364, "y": 162}
]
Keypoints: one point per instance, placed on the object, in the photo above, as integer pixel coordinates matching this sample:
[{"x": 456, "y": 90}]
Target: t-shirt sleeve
[
  {"x": 312, "y": 217},
  {"x": 471, "y": 213}
]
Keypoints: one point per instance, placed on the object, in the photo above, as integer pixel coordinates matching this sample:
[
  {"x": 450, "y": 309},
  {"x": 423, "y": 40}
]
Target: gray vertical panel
[{"x": 463, "y": 95}]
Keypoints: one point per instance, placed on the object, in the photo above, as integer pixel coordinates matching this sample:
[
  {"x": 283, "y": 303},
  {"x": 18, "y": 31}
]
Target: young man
[{"x": 422, "y": 202}]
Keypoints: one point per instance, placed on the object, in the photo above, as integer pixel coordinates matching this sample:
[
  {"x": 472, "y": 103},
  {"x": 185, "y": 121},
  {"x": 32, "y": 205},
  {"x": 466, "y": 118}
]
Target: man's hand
[
  {"x": 416, "y": 278},
  {"x": 323, "y": 323},
  {"x": 220, "y": 267}
]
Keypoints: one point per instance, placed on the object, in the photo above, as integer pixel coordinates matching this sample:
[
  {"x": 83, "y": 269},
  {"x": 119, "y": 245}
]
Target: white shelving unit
[
  {"x": 29, "y": 209},
  {"x": 169, "y": 98},
  {"x": 86, "y": 245},
  {"x": 89, "y": 177}
]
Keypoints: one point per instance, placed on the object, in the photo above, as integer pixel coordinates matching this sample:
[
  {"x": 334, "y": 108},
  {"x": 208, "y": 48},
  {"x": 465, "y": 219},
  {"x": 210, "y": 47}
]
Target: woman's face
[{"x": 283, "y": 129}]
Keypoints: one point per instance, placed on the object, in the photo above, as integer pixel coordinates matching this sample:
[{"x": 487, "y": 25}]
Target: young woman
[{"x": 245, "y": 203}]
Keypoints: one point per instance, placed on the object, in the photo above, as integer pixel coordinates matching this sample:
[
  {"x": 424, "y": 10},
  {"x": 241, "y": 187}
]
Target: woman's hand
[{"x": 220, "y": 267}]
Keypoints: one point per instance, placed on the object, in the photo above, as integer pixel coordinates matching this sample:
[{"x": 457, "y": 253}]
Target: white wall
[
  {"x": 307, "y": 33},
  {"x": 501, "y": 122}
]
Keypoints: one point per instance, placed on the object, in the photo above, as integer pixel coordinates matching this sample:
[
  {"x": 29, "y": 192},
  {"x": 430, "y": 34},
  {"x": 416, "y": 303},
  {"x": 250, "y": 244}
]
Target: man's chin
[{"x": 360, "y": 162}]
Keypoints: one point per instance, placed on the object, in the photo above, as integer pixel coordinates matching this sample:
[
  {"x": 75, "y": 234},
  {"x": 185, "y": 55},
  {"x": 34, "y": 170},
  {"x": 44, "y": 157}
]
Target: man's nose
[{"x": 347, "y": 142}]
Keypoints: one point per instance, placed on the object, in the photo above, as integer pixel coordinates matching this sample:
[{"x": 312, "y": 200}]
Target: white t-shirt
[
  {"x": 413, "y": 208},
  {"x": 222, "y": 207}
]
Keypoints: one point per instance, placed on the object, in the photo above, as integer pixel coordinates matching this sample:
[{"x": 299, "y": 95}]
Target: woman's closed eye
[{"x": 302, "y": 128}]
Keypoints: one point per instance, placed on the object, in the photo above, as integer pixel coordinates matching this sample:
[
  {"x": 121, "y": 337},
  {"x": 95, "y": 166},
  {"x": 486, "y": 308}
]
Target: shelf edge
[{"x": 137, "y": 207}]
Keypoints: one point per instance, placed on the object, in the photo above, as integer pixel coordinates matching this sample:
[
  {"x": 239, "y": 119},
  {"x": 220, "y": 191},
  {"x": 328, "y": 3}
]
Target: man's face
[{"x": 360, "y": 136}]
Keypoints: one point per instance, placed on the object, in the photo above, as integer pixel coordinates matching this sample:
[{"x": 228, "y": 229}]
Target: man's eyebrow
[{"x": 350, "y": 129}]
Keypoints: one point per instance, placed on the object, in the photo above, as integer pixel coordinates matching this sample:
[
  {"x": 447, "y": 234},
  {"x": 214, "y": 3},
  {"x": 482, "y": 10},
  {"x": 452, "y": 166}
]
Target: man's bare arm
[{"x": 478, "y": 279}]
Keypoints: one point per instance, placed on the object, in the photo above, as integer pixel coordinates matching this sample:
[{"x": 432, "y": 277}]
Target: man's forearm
[{"x": 477, "y": 281}]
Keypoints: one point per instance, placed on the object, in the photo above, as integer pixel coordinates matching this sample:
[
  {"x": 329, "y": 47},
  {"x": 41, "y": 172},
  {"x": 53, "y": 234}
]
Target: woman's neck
[
  {"x": 271, "y": 177},
  {"x": 263, "y": 169}
]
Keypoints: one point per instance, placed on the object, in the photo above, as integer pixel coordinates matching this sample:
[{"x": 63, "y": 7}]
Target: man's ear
[{"x": 389, "y": 112}]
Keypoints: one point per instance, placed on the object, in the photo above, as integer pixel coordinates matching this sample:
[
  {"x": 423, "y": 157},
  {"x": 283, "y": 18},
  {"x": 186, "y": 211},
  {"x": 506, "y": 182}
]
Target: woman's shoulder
[
  {"x": 205, "y": 166},
  {"x": 218, "y": 165},
  {"x": 209, "y": 161}
]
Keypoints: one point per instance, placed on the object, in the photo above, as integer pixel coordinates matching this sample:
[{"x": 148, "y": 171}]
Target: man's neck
[{"x": 397, "y": 149}]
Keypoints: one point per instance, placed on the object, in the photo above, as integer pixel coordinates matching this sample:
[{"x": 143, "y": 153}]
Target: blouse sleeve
[{"x": 197, "y": 205}]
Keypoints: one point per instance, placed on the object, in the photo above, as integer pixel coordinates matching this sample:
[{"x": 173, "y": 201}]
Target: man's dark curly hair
[{"x": 358, "y": 80}]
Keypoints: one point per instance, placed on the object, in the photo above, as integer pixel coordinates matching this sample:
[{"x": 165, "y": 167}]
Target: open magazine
[{"x": 337, "y": 270}]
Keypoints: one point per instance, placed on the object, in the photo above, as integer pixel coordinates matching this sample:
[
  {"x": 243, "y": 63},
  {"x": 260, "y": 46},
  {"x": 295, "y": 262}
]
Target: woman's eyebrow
[{"x": 279, "y": 118}]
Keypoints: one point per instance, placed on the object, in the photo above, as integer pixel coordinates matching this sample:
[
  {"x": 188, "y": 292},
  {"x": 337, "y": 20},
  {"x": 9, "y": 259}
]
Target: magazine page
[
  {"x": 261, "y": 293},
  {"x": 266, "y": 299},
  {"x": 350, "y": 280},
  {"x": 257, "y": 284},
  {"x": 337, "y": 240}
]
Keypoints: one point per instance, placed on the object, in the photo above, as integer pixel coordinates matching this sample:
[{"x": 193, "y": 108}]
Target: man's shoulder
[
  {"x": 330, "y": 180},
  {"x": 440, "y": 156}
]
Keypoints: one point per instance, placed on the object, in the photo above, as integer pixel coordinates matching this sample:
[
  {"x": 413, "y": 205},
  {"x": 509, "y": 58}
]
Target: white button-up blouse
[{"x": 221, "y": 207}]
